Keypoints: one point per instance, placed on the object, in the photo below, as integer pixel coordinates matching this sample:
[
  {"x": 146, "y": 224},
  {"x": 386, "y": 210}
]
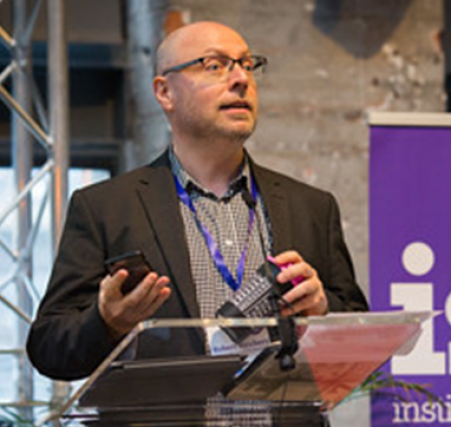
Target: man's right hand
[{"x": 121, "y": 313}]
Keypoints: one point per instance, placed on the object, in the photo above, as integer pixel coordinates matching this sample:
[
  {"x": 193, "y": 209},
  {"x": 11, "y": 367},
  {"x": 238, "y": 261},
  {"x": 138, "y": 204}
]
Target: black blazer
[{"x": 139, "y": 210}]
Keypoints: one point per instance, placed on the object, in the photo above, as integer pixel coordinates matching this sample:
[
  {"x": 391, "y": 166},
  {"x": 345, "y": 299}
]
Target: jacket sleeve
[
  {"x": 342, "y": 291},
  {"x": 68, "y": 339}
]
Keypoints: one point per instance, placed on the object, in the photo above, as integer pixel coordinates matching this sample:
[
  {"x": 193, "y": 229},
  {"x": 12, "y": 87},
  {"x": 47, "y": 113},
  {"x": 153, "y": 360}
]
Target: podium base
[{"x": 214, "y": 413}]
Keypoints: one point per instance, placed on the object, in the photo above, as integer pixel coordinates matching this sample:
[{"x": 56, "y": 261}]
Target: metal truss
[{"x": 30, "y": 121}]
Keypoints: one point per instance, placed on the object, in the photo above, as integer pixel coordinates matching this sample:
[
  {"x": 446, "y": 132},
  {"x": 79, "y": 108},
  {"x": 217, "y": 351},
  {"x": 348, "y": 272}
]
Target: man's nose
[{"x": 237, "y": 76}]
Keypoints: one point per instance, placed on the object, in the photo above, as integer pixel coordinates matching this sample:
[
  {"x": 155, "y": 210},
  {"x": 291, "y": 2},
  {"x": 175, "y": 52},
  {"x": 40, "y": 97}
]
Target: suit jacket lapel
[
  {"x": 159, "y": 198},
  {"x": 276, "y": 203}
]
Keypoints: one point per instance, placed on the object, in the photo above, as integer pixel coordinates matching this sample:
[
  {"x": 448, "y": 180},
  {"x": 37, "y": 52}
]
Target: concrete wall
[{"x": 331, "y": 62}]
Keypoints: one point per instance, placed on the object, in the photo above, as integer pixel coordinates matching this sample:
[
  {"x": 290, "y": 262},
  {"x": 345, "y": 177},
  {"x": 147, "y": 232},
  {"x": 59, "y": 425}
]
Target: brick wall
[{"x": 331, "y": 62}]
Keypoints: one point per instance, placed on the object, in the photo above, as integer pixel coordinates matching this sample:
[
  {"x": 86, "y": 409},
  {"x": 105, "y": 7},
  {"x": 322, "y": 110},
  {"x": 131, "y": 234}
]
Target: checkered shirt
[{"x": 227, "y": 220}]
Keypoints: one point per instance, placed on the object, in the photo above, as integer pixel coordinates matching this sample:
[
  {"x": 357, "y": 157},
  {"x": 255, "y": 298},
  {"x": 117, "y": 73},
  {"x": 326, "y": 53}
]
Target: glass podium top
[{"x": 332, "y": 356}]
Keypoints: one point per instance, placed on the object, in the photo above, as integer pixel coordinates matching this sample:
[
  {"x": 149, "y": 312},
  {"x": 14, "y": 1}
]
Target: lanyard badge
[{"x": 212, "y": 247}]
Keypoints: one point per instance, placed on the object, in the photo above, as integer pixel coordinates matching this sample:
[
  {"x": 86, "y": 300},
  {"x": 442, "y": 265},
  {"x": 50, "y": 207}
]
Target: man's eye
[{"x": 213, "y": 65}]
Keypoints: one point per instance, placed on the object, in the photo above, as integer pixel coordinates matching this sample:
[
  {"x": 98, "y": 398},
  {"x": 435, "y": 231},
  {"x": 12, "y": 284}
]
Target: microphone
[
  {"x": 269, "y": 268},
  {"x": 259, "y": 298},
  {"x": 248, "y": 199},
  {"x": 252, "y": 204}
]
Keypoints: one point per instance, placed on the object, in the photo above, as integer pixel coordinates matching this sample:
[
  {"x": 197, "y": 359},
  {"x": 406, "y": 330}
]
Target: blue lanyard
[{"x": 213, "y": 249}]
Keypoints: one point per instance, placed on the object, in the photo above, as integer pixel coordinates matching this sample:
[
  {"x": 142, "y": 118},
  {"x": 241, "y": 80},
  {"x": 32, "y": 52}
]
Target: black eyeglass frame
[{"x": 259, "y": 60}]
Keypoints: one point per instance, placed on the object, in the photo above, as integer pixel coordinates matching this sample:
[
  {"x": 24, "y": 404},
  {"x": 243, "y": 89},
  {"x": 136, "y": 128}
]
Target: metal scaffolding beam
[
  {"x": 145, "y": 21},
  {"x": 59, "y": 135},
  {"x": 49, "y": 127},
  {"x": 52, "y": 133}
]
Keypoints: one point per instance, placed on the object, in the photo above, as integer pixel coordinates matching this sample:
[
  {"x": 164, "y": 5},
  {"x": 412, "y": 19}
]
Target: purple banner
[{"x": 410, "y": 262}]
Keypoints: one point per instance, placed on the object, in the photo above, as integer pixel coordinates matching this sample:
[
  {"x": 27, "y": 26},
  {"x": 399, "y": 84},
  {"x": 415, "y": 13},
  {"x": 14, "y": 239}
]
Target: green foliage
[{"x": 382, "y": 384}]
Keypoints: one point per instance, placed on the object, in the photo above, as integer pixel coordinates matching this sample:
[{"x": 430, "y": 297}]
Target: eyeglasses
[{"x": 218, "y": 67}]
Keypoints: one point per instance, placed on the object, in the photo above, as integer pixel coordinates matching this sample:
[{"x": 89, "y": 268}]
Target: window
[{"x": 42, "y": 256}]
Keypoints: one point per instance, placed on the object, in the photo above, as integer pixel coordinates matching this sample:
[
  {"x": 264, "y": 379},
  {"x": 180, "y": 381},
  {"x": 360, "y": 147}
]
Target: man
[{"x": 190, "y": 200}]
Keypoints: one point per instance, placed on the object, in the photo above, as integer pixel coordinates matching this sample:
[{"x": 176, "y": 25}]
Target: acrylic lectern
[{"x": 332, "y": 356}]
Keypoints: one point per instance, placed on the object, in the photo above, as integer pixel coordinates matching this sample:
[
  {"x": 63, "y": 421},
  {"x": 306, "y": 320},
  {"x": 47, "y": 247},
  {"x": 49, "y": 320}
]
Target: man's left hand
[{"x": 308, "y": 297}]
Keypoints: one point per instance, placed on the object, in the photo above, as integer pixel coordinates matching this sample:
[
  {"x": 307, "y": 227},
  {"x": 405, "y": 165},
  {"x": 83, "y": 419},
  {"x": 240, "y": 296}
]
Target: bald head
[
  {"x": 192, "y": 41},
  {"x": 199, "y": 104}
]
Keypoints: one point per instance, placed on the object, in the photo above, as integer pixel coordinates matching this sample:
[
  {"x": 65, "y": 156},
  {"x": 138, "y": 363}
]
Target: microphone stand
[{"x": 286, "y": 327}]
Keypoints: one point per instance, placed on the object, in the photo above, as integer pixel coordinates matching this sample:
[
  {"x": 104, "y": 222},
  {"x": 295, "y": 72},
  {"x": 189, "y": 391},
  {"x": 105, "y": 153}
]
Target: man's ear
[{"x": 162, "y": 93}]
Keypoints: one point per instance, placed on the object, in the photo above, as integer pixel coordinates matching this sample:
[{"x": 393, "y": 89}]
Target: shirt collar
[{"x": 193, "y": 187}]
